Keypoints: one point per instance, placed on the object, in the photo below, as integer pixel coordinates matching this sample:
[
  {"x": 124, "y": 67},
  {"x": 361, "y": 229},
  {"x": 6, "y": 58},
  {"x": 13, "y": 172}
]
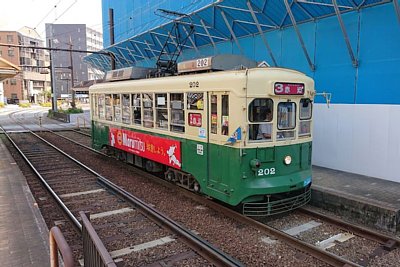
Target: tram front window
[{"x": 260, "y": 118}]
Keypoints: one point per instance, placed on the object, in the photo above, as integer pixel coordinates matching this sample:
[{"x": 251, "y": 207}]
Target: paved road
[{"x": 35, "y": 118}]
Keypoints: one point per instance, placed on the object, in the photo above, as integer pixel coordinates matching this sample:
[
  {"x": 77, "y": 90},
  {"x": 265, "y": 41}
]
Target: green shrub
[
  {"x": 46, "y": 104},
  {"x": 71, "y": 110},
  {"x": 24, "y": 105},
  {"x": 75, "y": 110}
]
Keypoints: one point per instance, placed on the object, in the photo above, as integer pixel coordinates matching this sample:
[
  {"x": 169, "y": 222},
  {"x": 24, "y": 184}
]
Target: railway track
[
  {"x": 36, "y": 120},
  {"x": 76, "y": 137},
  {"x": 302, "y": 244},
  {"x": 126, "y": 224},
  {"x": 371, "y": 244},
  {"x": 236, "y": 230}
]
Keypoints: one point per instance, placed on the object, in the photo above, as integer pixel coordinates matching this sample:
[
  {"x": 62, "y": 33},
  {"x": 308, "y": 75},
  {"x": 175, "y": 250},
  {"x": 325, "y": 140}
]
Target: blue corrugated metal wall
[
  {"x": 379, "y": 73},
  {"x": 374, "y": 35}
]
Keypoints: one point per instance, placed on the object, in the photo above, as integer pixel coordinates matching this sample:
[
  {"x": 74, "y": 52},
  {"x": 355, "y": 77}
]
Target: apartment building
[
  {"x": 69, "y": 65},
  {"x": 33, "y": 81}
]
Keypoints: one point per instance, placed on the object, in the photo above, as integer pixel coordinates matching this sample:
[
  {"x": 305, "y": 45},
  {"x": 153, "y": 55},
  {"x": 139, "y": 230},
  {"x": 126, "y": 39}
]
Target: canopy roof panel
[
  {"x": 220, "y": 21},
  {"x": 7, "y": 69}
]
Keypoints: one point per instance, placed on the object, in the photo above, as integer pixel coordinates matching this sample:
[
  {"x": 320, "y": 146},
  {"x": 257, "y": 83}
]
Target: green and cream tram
[{"x": 240, "y": 136}]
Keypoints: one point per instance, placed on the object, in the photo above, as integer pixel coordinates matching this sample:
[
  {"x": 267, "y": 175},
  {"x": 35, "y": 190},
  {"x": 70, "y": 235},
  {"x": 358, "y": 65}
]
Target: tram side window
[
  {"x": 108, "y": 103},
  {"x": 148, "y": 110},
  {"x": 161, "y": 111},
  {"x": 100, "y": 106},
  {"x": 305, "y": 117},
  {"x": 214, "y": 113},
  {"x": 94, "y": 104},
  {"x": 117, "y": 107},
  {"x": 225, "y": 115},
  {"x": 286, "y": 120},
  {"x": 126, "y": 109},
  {"x": 260, "y": 118},
  {"x": 177, "y": 113},
  {"x": 195, "y": 101},
  {"x": 137, "y": 109}
]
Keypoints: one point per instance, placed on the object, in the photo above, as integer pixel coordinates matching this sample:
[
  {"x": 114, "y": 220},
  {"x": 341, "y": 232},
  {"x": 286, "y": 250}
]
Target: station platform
[
  {"x": 366, "y": 200},
  {"x": 23, "y": 232}
]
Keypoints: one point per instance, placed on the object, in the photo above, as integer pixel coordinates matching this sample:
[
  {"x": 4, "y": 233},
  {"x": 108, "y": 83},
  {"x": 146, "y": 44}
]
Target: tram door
[{"x": 218, "y": 130}]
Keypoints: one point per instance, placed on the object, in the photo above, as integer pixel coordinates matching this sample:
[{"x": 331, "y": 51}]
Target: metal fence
[
  {"x": 94, "y": 252},
  {"x": 61, "y": 116}
]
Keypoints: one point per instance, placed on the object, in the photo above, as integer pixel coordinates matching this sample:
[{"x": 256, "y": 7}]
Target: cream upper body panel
[
  {"x": 241, "y": 85},
  {"x": 232, "y": 81},
  {"x": 256, "y": 82}
]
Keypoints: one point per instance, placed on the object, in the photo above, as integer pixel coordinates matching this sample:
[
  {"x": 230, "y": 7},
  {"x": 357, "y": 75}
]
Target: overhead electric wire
[
  {"x": 55, "y": 6},
  {"x": 59, "y": 16},
  {"x": 68, "y": 8}
]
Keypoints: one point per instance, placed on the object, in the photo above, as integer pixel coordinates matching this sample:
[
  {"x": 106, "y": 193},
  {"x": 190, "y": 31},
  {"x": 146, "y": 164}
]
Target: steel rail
[
  {"x": 316, "y": 252},
  {"x": 357, "y": 229},
  {"x": 80, "y": 132},
  {"x": 48, "y": 187},
  {"x": 54, "y": 132},
  {"x": 200, "y": 245},
  {"x": 77, "y": 143},
  {"x": 203, "y": 247}
]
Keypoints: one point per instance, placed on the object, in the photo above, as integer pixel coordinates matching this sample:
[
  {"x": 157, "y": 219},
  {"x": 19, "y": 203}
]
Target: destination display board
[{"x": 281, "y": 88}]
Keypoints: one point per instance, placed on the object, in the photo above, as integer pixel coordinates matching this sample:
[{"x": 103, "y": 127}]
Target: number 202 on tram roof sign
[{"x": 289, "y": 88}]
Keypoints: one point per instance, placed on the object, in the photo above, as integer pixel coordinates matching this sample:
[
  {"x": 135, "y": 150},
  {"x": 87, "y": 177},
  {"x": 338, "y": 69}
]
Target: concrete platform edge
[
  {"x": 26, "y": 233},
  {"x": 39, "y": 220},
  {"x": 375, "y": 215}
]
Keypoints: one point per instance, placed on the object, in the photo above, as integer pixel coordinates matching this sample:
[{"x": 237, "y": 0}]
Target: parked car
[{"x": 13, "y": 101}]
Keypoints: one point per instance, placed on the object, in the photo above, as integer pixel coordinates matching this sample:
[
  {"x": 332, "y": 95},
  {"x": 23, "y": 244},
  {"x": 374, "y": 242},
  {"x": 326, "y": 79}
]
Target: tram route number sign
[
  {"x": 195, "y": 119},
  {"x": 289, "y": 88}
]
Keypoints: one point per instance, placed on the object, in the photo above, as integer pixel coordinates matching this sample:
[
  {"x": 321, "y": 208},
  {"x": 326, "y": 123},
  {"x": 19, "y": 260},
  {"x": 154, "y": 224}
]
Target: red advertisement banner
[{"x": 156, "y": 148}]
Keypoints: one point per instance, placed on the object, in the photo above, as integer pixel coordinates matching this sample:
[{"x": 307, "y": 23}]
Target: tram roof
[{"x": 223, "y": 20}]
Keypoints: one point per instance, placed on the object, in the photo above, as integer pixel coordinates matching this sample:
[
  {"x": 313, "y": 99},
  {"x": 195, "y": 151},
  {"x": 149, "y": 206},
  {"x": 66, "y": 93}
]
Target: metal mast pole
[
  {"x": 52, "y": 77},
  {"x": 111, "y": 29},
  {"x": 73, "y": 105}
]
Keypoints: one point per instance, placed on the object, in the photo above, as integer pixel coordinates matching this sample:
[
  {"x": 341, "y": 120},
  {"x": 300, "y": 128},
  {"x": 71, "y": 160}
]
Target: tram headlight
[{"x": 287, "y": 160}]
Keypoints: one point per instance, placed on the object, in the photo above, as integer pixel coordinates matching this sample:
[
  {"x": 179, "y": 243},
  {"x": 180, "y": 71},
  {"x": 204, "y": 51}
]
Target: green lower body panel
[
  {"x": 273, "y": 205},
  {"x": 230, "y": 174}
]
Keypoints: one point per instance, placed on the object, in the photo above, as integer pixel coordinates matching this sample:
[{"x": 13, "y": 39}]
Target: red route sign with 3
[{"x": 289, "y": 89}]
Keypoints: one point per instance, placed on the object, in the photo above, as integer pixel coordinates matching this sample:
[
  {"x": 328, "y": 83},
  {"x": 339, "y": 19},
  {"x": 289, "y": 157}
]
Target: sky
[{"x": 36, "y": 13}]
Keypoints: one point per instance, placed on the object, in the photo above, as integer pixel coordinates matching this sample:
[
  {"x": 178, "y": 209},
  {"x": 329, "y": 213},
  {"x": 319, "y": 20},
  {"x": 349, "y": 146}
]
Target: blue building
[{"x": 350, "y": 47}]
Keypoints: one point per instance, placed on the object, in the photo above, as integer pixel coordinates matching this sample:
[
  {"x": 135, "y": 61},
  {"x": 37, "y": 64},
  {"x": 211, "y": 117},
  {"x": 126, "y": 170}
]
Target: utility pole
[
  {"x": 52, "y": 77},
  {"x": 73, "y": 105}
]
